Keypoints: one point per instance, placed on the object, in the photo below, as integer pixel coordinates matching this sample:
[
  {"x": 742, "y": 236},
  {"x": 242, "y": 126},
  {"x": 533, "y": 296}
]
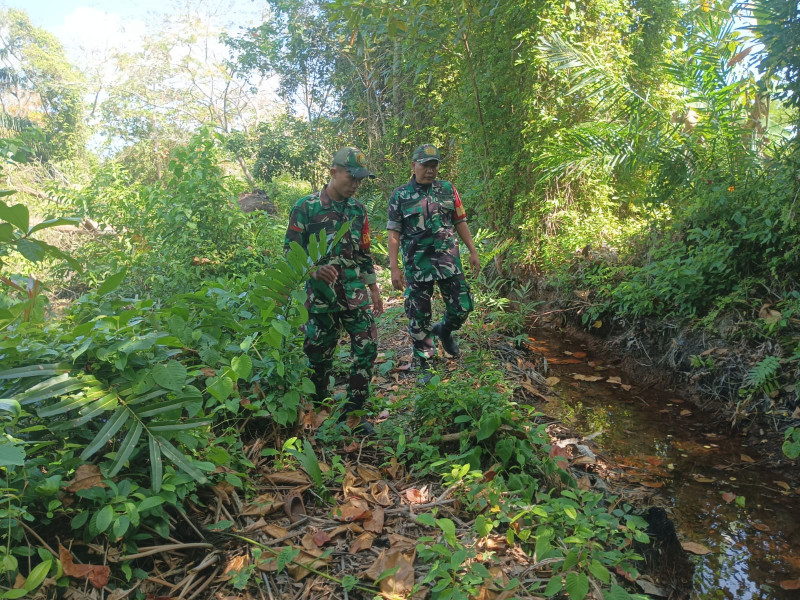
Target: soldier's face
[
  {"x": 426, "y": 172},
  {"x": 343, "y": 183}
]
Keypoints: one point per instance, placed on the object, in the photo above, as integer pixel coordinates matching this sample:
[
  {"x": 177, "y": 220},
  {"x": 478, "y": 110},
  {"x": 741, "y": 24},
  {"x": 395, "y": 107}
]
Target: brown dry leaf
[
  {"x": 307, "y": 541},
  {"x": 321, "y": 538},
  {"x": 96, "y": 574},
  {"x": 653, "y": 484},
  {"x": 306, "y": 558},
  {"x": 368, "y": 473},
  {"x": 796, "y": 413},
  {"x": 625, "y": 387},
  {"x": 255, "y": 526},
  {"x": 584, "y": 483},
  {"x": 237, "y": 563},
  {"x": 695, "y": 548},
  {"x": 86, "y": 477},
  {"x": 223, "y": 491},
  {"x": 581, "y": 377},
  {"x": 617, "y": 380},
  {"x": 380, "y": 493},
  {"x": 729, "y": 497},
  {"x": 769, "y": 315},
  {"x": 579, "y": 354},
  {"x": 584, "y": 460},
  {"x": 761, "y": 526},
  {"x": 287, "y": 478},
  {"x": 747, "y": 459},
  {"x": 375, "y": 522},
  {"x": 395, "y": 470},
  {"x": 784, "y": 486},
  {"x": 560, "y": 454},
  {"x": 208, "y": 372},
  {"x": 492, "y": 589},
  {"x": 415, "y": 496},
  {"x": 350, "y": 527},
  {"x": 685, "y": 412},
  {"x": 790, "y": 584},
  {"x": 265, "y": 504},
  {"x": 699, "y": 479},
  {"x": 354, "y": 509},
  {"x": 551, "y": 381},
  {"x": 276, "y": 531},
  {"x": 401, "y": 542},
  {"x": 402, "y": 581},
  {"x": 351, "y": 447},
  {"x": 349, "y": 486},
  {"x": 362, "y": 542},
  {"x": 19, "y": 581}
]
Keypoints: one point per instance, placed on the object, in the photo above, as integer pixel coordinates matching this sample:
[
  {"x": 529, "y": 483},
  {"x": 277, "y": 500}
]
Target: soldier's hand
[
  {"x": 398, "y": 281},
  {"x": 475, "y": 263},
  {"x": 377, "y": 303},
  {"x": 326, "y": 273}
]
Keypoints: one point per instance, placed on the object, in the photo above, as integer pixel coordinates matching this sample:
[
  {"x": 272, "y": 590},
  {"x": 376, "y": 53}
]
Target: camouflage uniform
[
  {"x": 425, "y": 216},
  {"x": 345, "y": 304}
]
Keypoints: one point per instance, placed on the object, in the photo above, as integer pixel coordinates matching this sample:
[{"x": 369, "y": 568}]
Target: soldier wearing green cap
[
  {"x": 343, "y": 286},
  {"x": 425, "y": 215}
]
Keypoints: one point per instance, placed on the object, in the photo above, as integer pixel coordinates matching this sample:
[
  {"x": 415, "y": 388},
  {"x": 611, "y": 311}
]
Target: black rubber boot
[
  {"x": 356, "y": 403},
  {"x": 425, "y": 372},
  {"x": 449, "y": 343}
]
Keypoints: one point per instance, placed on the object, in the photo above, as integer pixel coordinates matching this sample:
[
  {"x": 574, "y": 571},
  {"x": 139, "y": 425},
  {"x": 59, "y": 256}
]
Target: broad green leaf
[
  {"x": 33, "y": 250},
  {"x": 112, "y": 282},
  {"x": 242, "y": 366},
  {"x": 37, "y": 575},
  {"x": 150, "y": 502},
  {"x": 126, "y": 448},
  {"x": 577, "y": 585},
  {"x": 10, "y": 405},
  {"x": 17, "y": 215},
  {"x": 120, "y": 526},
  {"x": 171, "y": 375},
  {"x": 221, "y": 389},
  {"x": 11, "y": 455},
  {"x": 553, "y": 586},
  {"x": 571, "y": 512},
  {"x": 6, "y": 233},
  {"x": 114, "y": 424},
  {"x": 598, "y": 570},
  {"x": 104, "y": 518},
  {"x": 449, "y": 529},
  {"x": 489, "y": 424},
  {"x": 55, "y": 222},
  {"x": 427, "y": 519},
  {"x": 616, "y": 593}
]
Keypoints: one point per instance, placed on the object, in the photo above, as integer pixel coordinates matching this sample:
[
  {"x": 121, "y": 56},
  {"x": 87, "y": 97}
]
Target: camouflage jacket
[
  {"x": 351, "y": 255},
  {"x": 425, "y": 215}
]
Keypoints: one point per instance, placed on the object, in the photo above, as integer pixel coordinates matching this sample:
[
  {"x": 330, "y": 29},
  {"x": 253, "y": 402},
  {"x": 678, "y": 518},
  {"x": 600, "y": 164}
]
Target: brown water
[{"x": 721, "y": 492}]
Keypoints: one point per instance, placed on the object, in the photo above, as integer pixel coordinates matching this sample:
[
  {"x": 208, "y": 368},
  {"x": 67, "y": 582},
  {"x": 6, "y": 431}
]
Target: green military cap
[
  {"x": 426, "y": 153},
  {"x": 354, "y": 161}
]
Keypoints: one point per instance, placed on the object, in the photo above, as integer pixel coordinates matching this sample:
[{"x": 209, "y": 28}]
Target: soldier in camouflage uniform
[
  {"x": 424, "y": 216},
  {"x": 337, "y": 291}
]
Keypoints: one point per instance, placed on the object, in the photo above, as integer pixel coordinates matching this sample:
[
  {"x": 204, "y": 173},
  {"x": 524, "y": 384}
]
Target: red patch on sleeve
[
  {"x": 296, "y": 228},
  {"x": 460, "y": 212},
  {"x": 365, "y": 239}
]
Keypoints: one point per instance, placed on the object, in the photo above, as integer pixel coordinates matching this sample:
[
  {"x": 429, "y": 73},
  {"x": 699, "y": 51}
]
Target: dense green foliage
[{"x": 641, "y": 153}]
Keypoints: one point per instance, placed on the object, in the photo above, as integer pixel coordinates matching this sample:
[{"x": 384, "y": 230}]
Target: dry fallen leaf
[
  {"x": 783, "y": 485},
  {"x": 96, "y": 574},
  {"x": 551, "y": 381},
  {"x": 306, "y": 558},
  {"x": 729, "y": 497},
  {"x": 415, "y": 496},
  {"x": 761, "y": 526},
  {"x": 86, "y": 477},
  {"x": 398, "y": 541},
  {"x": 614, "y": 380},
  {"x": 395, "y": 470},
  {"x": 579, "y": 354},
  {"x": 581, "y": 377},
  {"x": 380, "y": 493},
  {"x": 790, "y": 584},
  {"x": 747, "y": 459},
  {"x": 695, "y": 548},
  {"x": 653, "y": 484},
  {"x": 375, "y": 522},
  {"x": 354, "y": 509},
  {"x": 401, "y": 582},
  {"x": 265, "y": 504},
  {"x": 700, "y": 479},
  {"x": 287, "y": 478},
  {"x": 769, "y": 315},
  {"x": 685, "y": 412},
  {"x": 275, "y": 531},
  {"x": 237, "y": 563},
  {"x": 368, "y": 473},
  {"x": 362, "y": 542}
]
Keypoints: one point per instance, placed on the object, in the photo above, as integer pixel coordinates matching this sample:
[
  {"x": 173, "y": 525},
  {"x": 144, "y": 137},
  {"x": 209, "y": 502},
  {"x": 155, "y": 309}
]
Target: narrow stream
[{"x": 721, "y": 492}]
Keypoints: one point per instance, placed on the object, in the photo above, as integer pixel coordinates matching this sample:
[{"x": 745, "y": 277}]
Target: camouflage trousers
[
  {"x": 322, "y": 334},
  {"x": 458, "y": 304}
]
